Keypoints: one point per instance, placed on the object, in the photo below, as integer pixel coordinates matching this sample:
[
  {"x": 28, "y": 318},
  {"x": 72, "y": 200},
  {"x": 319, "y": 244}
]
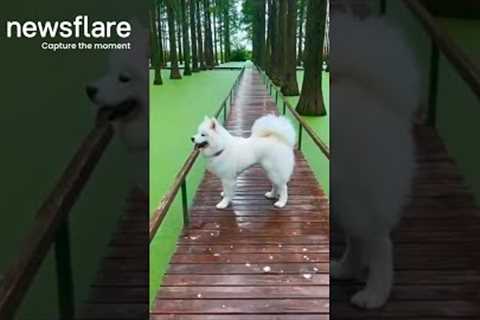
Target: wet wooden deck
[
  {"x": 437, "y": 259},
  {"x": 120, "y": 290},
  {"x": 251, "y": 261}
]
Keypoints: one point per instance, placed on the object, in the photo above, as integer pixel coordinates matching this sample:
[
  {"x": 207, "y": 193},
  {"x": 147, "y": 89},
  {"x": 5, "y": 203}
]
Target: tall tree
[
  {"x": 174, "y": 71},
  {"x": 301, "y": 18},
  {"x": 208, "y": 35},
  {"x": 201, "y": 52},
  {"x": 311, "y": 98},
  {"x": 193, "y": 36},
  {"x": 178, "y": 23},
  {"x": 226, "y": 29},
  {"x": 215, "y": 53},
  {"x": 275, "y": 44},
  {"x": 187, "y": 71},
  {"x": 281, "y": 43},
  {"x": 290, "y": 84},
  {"x": 154, "y": 48},
  {"x": 259, "y": 32},
  {"x": 269, "y": 44},
  {"x": 220, "y": 30},
  {"x": 158, "y": 18}
]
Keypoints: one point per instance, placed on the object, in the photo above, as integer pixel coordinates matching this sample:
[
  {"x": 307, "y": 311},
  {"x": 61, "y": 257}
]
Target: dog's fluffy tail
[{"x": 274, "y": 126}]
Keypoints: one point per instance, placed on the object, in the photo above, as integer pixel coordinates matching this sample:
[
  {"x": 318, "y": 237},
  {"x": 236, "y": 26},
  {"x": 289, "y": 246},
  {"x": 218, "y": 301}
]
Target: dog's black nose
[
  {"x": 91, "y": 91},
  {"x": 193, "y": 139}
]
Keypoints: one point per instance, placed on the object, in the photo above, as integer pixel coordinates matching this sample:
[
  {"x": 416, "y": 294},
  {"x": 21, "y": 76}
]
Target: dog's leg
[
  {"x": 350, "y": 265},
  {"x": 271, "y": 194},
  {"x": 379, "y": 256},
  {"x": 228, "y": 193},
  {"x": 283, "y": 196}
]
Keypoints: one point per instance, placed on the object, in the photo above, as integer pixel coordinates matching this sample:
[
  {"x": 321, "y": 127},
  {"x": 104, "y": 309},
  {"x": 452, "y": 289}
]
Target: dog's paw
[
  {"x": 280, "y": 204},
  {"x": 223, "y": 204},
  {"x": 369, "y": 299},
  {"x": 222, "y": 193},
  {"x": 338, "y": 270},
  {"x": 270, "y": 195}
]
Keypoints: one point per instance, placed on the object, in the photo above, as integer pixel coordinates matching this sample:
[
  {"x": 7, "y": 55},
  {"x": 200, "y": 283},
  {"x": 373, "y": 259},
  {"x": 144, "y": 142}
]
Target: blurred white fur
[
  {"x": 270, "y": 145},
  {"x": 375, "y": 92}
]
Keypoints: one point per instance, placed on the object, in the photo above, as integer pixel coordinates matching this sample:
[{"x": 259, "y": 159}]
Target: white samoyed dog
[
  {"x": 270, "y": 144},
  {"x": 121, "y": 96},
  {"x": 376, "y": 91}
]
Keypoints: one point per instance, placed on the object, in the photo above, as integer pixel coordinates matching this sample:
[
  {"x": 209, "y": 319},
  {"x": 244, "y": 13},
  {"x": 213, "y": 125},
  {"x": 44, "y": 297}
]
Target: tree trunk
[
  {"x": 208, "y": 35},
  {"x": 166, "y": 55},
  {"x": 259, "y": 32},
  {"x": 187, "y": 71},
  {"x": 179, "y": 36},
  {"x": 276, "y": 45},
  {"x": 215, "y": 53},
  {"x": 201, "y": 52},
  {"x": 154, "y": 48},
  {"x": 158, "y": 16},
  {"x": 301, "y": 18},
  {"x": 290, "y": 85},
  {"x": 281, "y": 43},
  {"x": 174, "y": 72},
  {"x": 268, "y": 50},
  {"x": 220, "y": 31},
  {"x": 193, "y": 37},
  {"x": 311, "y": 99},
  {"x": 226, "y": 34}
]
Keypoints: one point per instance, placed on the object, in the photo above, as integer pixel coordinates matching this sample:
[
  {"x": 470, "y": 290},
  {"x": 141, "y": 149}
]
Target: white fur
[
  {"x": 270, "y": 145},
  {"x": 132, "y": 129},
  {"x": 375, "y": 85}
]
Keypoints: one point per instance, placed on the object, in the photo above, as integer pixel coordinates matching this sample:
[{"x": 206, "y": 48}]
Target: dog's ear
[
  {"x": 213, "y": 123},
  {"x": 206, "y": 118}
]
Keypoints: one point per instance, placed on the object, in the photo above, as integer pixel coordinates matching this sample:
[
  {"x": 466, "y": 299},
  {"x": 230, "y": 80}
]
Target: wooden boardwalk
[
  {"x": 251, "y": 261},
  {"x": 437, "y": 257},
  {"x": 120, "y": 290}
]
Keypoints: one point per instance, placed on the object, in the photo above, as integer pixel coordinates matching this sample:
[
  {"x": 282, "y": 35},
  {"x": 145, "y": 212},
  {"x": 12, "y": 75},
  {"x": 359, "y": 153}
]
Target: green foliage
[{"x": 240, "y": 54}]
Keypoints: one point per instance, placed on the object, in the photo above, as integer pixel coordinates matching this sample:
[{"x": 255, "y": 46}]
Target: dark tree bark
[
  {"x": 301, "y": 18},
  {"x": 259, "y": 32},
  {"x": 174, "y": 71},
  {"x": 208, "y": 35},
  {"x": 187, "y": 71},
  {"x": 268, "y": 50},
  {"x": 201, "y": 52},
  {"x": 290, "y": 84},
  {"x": 220, "y": 31},
  {"x": 276, "y": 45},
  {"x": 281, "y": 43},
  {"x": 215, "y": 53},
  {"x": 154, "y": 48},
  {"x": 311, "y": 99},
  {"x": 158, "y": 18},
  {"x": 193, "y": 37},
  {"x": 179, "y": 36},
  {"x": 226, "y": 31}
]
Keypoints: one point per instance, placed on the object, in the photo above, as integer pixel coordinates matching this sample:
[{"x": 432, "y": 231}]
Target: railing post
[
  {"x": 224, "y": 112},
  {"x": 433, "y": 86},
  {"x": 276, "y": 97},
  {"x": 284, "y": 107},
  {"x": 64, "y": 272},
  {"x": 300, "y": 129},
  {"x": 186, "y": 218}
]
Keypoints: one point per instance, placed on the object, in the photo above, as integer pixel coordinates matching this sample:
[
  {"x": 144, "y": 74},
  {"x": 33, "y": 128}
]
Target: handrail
[
  {"x": 48, "y": 222},
  {"x": 302, "y": 123},
  {"x": 180, "y": 179},
  {"x": 464, "y": 65}
]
